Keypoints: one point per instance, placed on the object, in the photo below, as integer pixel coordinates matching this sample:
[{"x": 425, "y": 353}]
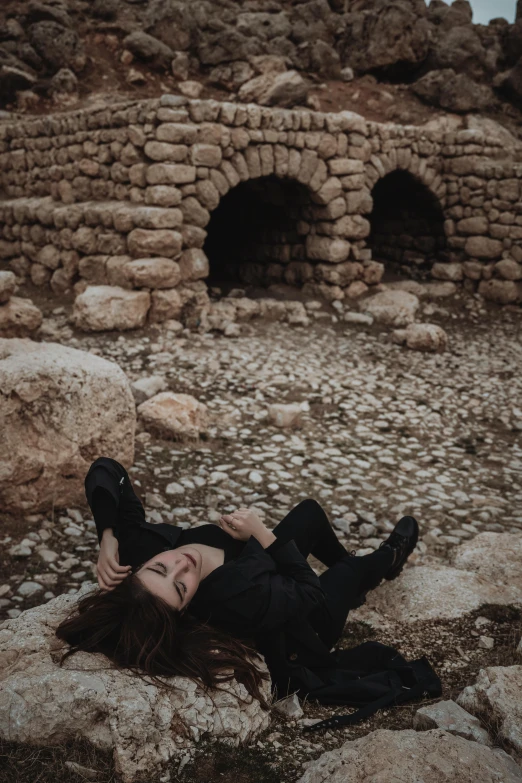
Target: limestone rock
[
  {"x": 19, "y": 318},
  {"x": 450, "y": 716},
  {"x": 80, "y": 407},
  {"x": 152, "y": 273},
  {"x": 146, "y": 47},
  {"x": 453, "y": 91},
  {"x": 290, "y": 707},
  {"x": 432, "y": 592},
  {"x": 285, "y": 415},
  {"x": 166, "y": 304},
  {"x": 103, "y": 307},
  {"x": 423, "y": 337},
  {"x": 447, "y": 272},
  {"x": 144, "y": 388},
  {"x": 173, "y": 415},
  {"x": 409, "y": 756},
  {"x": 161, "y": 242},
  {"x": 509, "y": 269},
  {"x": 391, "y": 308},
  {"x": 7, "y": 285},
  {"x": 483, "y": 247},
  {"x": 193, "y": 264},
  {"x": 495, "y": 557},
  {"x": 497, "y": 698},
  {"x": 499, "y": 291},
  {"x": 144, "y": 725},
  {"x": 275, "y": 89}
]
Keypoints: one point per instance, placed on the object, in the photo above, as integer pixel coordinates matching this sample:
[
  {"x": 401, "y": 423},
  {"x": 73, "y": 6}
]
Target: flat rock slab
[
  {"x": 432, "y": 593},
  {"x": 392, "y": 308},
  {"x": 450, "y": 716},
  {"x": 496, "y": 557},
  {"x": 485, "y": 570},
  {"x": 79, "y": 406},
  {"x": 435, "y": 756},
  {"x": 107, "y": 307},
  {"x": 145, "y": 726},
  {"x": 497, "y": 697}
]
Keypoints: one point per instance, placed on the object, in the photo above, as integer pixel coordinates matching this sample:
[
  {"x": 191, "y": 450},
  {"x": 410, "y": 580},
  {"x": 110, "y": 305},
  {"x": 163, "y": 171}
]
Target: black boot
[{"x": 402, "y": 541}]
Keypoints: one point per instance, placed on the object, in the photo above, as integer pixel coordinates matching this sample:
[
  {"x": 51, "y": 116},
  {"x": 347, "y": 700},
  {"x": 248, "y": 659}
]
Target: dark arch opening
[
  {"x": 257, "y": 229},
  {"x": 407, "y": 222}
]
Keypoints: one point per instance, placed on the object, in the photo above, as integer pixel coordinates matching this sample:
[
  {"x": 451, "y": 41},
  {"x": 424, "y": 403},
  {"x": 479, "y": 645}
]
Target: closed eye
[{"x": 163, "y": 571}]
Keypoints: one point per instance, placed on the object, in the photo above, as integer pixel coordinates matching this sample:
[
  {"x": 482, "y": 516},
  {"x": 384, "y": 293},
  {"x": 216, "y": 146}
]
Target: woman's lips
[{"x": 189, "y": 557}]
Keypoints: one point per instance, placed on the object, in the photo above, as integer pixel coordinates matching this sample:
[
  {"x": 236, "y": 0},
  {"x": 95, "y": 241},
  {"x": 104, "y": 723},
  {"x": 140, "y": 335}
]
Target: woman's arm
[{"x": 283, "y": 589}]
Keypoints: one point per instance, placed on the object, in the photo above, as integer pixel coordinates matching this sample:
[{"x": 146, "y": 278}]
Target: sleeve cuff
[
  {"x": 286, "y": 552},
  {"x": 275, "y": 545}
]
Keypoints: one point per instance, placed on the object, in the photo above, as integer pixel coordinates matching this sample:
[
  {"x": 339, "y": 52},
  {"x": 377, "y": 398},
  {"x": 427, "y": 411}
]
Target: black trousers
[{"x": 347, "y": 576}]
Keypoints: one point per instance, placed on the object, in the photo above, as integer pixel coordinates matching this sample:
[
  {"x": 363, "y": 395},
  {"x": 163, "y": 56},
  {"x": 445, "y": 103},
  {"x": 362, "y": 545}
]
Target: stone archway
[
  {"x": 407, "y": 222},
  {"x": 257, "y": 229}
]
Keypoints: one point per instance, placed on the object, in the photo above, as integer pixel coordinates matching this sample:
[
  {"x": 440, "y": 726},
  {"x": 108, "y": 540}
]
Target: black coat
[{"x": 264, "y": 595}]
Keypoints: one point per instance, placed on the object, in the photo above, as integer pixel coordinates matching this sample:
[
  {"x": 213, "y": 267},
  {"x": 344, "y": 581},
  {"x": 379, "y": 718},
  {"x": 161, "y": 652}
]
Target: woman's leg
[
  {"x": 344, "y": 583},
  {"x": 308, "y": 525}
]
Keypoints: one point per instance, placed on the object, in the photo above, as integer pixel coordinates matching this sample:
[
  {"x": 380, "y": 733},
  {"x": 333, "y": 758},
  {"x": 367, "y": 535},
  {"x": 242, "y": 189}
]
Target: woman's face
[{"x": 173, "y": 575}]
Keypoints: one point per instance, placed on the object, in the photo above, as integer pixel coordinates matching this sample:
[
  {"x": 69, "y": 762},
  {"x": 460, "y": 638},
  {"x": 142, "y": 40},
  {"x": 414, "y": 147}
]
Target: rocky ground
[{"x": 384, "y": 431}]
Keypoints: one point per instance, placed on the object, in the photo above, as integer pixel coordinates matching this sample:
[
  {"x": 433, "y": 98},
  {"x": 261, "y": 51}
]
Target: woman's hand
[
  {"x": 243, "y": 523},
  {"x": 110, "y": 573}
]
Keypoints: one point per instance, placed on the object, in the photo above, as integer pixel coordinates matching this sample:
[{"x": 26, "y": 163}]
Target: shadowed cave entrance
[
  {"x": 407, "y": 223},
  {"x": 257, "y": 229}
]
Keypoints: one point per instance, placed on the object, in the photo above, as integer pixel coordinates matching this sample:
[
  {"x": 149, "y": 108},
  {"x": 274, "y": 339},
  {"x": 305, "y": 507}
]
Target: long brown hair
[{"x": 137, "y": 630}]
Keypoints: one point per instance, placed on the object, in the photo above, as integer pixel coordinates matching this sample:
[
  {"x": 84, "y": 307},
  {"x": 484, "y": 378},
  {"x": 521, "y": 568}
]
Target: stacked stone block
[{"x": 123, "y": 196}]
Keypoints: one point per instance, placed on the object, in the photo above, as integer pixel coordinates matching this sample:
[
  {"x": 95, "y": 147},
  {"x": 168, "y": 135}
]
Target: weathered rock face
[
  {"x": 432, "y": 592},
  {"x": 497, "y": 697},
  {"x": 19, "y": 318},
  {"x": 485, "y": 570},
  {"x": 494, "y": 557},
  {"x": 174, "y": 415},
  {"x": 7, "y": 286},
  {"x": 408, "y": 757},
  {"x": 423, "y": 337},
  {"x": 42, "y": 703},
  {"x": 385, "y": 35},
  {"x": 80, "y": 407},
  {"x": 110, "y": 307},
  {"x": 450, "y": 716},
  {"x": 392, "y": 308}
]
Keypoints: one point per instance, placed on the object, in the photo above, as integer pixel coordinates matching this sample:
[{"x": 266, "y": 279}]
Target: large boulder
[
  {"x": 144, "y": 725},
  {"x": 103, "y": 307},
  {"x": 58, "y": 46},
  {"x": 496, "y": 698},
  {"x": 148, "y": 48},
  {"x": 391, "y": 308},
  {"x": 383, "y": 34},
  {"x": 434, "y": 592},
  {"x": 409, "y": 756},
  {"x": 275, "y": 89},
  {"x": 176, "y": 416},
  {"x": 484, "y": 570},
  {"x": 495, "y": 557},
  {"x": 453, "y": 91},
  {"x": 60, "y": 409},
  {"x": 19, "y": 318}
]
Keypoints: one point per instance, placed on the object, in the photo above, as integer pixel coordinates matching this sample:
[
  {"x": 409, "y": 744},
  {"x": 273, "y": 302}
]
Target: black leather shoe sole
[{"x": 408, "y": 527}]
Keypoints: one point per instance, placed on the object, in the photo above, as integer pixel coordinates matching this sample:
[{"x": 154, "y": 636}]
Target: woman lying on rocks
[{"x": 199, "y": 601}]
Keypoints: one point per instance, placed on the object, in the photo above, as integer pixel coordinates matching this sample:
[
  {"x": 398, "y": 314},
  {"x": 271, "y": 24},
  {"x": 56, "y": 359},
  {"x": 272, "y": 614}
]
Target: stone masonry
[{"x": 125, "y": 196}]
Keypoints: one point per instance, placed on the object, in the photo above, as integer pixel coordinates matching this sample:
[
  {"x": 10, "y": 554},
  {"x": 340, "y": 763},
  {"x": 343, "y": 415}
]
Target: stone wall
[{"x": 90, "y": 197}]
